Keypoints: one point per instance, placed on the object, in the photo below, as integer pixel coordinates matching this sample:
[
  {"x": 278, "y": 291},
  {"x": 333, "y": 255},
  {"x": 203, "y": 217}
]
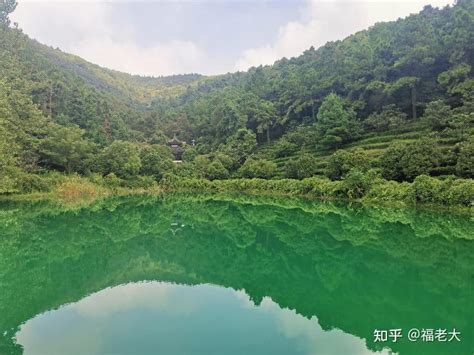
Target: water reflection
[
  {"x": 150, "y": 318},
  {"x": 352, "y": 268}
]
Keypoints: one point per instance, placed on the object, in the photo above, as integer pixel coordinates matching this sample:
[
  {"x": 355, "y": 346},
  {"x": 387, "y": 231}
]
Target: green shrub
[
  {"x": 426, "y": 189},
  {"x": 111, "y": 180},
  {"x": 156, "y": 160},
  {"x": 389, "y": 117},
  {"x": 465, "y": 160},
  {"x": 321, "y": 187},
  {"x": 302, "y": 167},
  {"x": 390, "y": 161},
  {"x": 342, "y": 161},
  {"x": 459, "y": 192},
  {"x": 120, "y": 158},
  {"x": 216, "y": 170},
  {"x": 437, "y": 115},
  {"x": 184, "y": 170},
  {"x": 284, "y": 148},
  {"x": 383, "y": 190},
  {"x": 258, "y": 168},
  {"x": 228, "y": 162},
  {"x": 143, "y": 182},
  {"x": 27, "y": 183},
  {"x": 356, "y": 183},
  {"x": 405, "y": 162}
]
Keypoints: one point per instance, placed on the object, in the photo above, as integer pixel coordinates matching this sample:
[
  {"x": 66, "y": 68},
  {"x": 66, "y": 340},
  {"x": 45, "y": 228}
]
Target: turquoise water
[{"x": 231, "y": 275}]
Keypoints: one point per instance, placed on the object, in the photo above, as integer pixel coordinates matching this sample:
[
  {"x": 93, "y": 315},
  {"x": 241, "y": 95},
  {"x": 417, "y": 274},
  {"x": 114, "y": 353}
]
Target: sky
[{"x": 165, "y": 37}]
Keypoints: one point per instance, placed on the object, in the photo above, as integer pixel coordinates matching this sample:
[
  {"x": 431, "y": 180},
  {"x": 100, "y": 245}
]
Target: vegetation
[
  {"x": 355, "y": 186},
  {"x": 389, "y": 108}
]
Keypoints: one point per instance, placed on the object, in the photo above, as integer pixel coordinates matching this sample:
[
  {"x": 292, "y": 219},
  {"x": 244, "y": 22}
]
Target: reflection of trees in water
[{"x": 352, "y": 267}]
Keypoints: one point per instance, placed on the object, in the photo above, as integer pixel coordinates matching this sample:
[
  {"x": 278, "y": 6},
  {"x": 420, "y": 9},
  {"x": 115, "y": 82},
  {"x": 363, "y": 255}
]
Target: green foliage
[
  {"x": 342, "y": 161},
  {"x": 111, "y": 180},
  {"x": 425, "y": 189},
  {"x": 258, "y": 168},
  {"x": 156, "y": 160},
  {"x": 241, "y": 145},
  {"x": 356, "y": 186},
  {"x": 28, "y": 183},
  {"x": 6, "y": 8},
  {"x": 455, "y": 78},
  {"x": 445, "y": 192},
  {"x": 120, "y": 158},
  {"x": 389, "y": 191},
  {"x": 228, "y": 162},
  {"x": 56, "y": 110},
  {"x": 333, "y": 121},
  {"x": 302, "y": 167},
  {"x": 390, "y": 117},
  {"x": 189, "y": 154},
  {"x": 301, "y": 136},
  {"x": 64, "y": 148},
  {"x": 216, "y": 170},
  {"x": 465, "y": 160},
  {"x": 405, "y": 162},
  {"x": 284, "y": 148},
  {"x": 357, "y": 183},
  {"x": 201, "y": 163},
  {"x": 437, "y": 115}
]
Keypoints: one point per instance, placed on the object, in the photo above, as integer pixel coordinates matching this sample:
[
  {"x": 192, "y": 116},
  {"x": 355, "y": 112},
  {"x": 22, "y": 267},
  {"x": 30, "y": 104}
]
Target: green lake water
[{"x": 220, "y": 274}]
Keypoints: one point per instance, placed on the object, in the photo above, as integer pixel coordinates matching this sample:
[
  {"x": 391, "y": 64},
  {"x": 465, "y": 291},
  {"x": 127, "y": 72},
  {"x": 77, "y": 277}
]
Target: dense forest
[{"x": 392, "y": 104}]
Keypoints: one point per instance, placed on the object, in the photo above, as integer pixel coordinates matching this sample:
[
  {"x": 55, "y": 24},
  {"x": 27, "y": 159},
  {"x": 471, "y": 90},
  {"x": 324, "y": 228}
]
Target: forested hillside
[{"x": 395, "y": 101}]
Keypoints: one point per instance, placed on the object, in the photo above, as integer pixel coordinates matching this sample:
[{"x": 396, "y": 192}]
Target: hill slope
[{"x": 395, "y": 82}]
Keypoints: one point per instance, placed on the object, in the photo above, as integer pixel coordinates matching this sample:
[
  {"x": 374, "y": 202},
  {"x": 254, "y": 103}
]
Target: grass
[{"x": 77, "y": 191}]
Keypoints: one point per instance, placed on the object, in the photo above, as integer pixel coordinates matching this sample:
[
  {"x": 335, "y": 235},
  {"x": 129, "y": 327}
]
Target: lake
[{"x": 230, "y": 274}]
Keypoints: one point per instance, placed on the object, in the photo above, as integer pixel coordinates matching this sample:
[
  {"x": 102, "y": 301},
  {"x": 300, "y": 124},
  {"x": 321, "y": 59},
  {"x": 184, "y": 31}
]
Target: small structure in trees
[{"x": 177, "y": 148}]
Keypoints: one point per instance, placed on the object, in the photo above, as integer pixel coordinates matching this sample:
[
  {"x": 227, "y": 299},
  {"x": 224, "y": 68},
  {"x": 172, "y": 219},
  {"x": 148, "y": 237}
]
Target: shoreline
[{"x": 83, "y": 193}]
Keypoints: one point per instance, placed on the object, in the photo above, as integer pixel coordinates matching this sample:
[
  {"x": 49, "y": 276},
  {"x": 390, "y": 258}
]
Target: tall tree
[
  {"x": 333, "y": 121},
  {"x": 6, "y": 8}
]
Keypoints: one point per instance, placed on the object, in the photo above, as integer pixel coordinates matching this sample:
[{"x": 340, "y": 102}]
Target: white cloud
[
  {"x": 328, "y": 20},
  {"x": 88, "y": 29},
  {"x": 173, "y": 57},
  {"x": 92, "y": 30}
]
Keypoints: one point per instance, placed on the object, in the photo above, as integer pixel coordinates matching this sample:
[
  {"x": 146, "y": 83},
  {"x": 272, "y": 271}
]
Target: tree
[
  {"x": 389, "y": 117},
  {"x": 405, "y": 162},
  {"x": 411, "y": 83},
  {"x": 64, "y": 148},
  {"x": 156, "y": 160},
  {"x": 241, "y": 145},
  {"x": 465, "y": 161},
  {"x": 283, "y": 148},
  {"x": 8, "y": 160},
  {"x": 356, "y": 183},
  {"x": 227, "y": 161},
  {"x": 454, "y": 78},
  {"x": 302, "y": 167},
  {"x": 263, "y": 115},
  {"x": 227, "y": 116},
  {"x": 333, "y": 121},
  {"x": 6, "y": 8},
  {"x": 258, "y": 168},
  {"x": 343, "y": 161},
  {"x": 120, "y": 158},
  {"x": 216, "y": 170},
  {"x": 201, "y": 164},
  {"x": 437, "y": 115}
]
